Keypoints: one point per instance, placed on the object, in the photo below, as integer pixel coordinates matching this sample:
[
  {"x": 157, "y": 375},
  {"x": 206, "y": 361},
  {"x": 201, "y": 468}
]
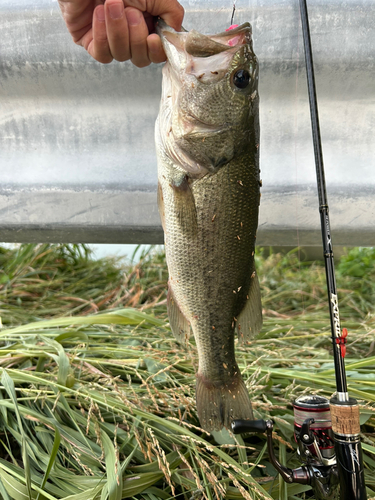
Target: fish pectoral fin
[
  {"x": 250, "y": 320},
  {"x": 219, "y": 404},
  {"x": 184, "y": 206},
  {"x": 179, "y": 324}
]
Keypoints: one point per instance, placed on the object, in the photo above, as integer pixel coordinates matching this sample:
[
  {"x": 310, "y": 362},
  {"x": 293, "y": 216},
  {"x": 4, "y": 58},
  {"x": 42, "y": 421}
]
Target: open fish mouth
[
  {"x": 199, "y": 45},
  {"x": 207, "y": 57}
]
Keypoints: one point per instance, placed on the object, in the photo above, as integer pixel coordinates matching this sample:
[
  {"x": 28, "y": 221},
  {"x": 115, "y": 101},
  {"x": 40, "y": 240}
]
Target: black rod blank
[{"x": 341, "y": 384}]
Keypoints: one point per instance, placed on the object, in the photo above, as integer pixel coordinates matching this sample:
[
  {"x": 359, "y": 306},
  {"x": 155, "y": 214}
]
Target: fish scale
[{"x": 207, "y": 138}]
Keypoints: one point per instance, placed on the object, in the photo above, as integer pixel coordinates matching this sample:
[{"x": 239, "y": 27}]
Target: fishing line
[
  {"x": 297, "y": 196},
  {"x": 233, "y": 11}
]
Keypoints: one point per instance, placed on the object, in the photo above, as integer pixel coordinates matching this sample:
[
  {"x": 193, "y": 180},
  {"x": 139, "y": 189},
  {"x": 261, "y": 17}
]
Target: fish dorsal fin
[
  {"x": 250, "y": 320},
  {"x": 179, "y": 325}
]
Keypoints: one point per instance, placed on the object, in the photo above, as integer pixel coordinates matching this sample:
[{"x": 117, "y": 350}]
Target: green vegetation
[{"x": 97, "y": 399}]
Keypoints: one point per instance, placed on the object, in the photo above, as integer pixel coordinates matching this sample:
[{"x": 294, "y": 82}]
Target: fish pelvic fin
[
  {"x": 218, "y": 405},
  {"x": 250, "y": 320},
  {"x": 179, "y": 324},
  {"x": 161, "y": 205}
]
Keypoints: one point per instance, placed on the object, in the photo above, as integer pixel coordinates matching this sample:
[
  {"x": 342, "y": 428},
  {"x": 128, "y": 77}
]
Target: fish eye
[{"x": 241, "y": 78}]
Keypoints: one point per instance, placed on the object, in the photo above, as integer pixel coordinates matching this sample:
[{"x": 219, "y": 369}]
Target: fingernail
[
  {"x": 100, "y": 13},
  {"x": 116, "y": 10},
  {"x": 134, "y": 17}
]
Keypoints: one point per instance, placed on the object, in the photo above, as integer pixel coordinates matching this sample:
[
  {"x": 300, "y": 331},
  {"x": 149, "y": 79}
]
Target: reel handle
[
  {"x": 300, "y": 475},
  {"x": 243, "y": 426}
]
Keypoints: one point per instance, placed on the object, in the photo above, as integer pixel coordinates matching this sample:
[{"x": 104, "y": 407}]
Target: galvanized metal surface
[{"x": 77, "y": 159}]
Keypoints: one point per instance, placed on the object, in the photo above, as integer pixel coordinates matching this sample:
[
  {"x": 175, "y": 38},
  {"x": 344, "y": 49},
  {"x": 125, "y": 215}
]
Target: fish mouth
[
  {"x": 198, "y": 45},
  {"x": 190, "y": 51}
]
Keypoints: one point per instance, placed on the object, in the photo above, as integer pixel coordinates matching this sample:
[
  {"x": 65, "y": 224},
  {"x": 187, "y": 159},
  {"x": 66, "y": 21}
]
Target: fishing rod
[{"x": 327, "y": 432}]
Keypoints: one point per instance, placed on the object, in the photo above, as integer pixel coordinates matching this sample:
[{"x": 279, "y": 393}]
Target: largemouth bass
[{"x": 207, "y": 141}]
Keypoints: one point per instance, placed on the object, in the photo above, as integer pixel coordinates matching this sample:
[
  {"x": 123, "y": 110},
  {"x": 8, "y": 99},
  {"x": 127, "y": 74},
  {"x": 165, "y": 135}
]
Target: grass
[{"x": 97, "y": 399}]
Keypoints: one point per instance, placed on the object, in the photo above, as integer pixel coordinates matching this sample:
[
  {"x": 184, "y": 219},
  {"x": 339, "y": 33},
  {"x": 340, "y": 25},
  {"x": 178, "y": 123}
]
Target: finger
[
  {"x": 78, "y": 17},
  {"x": 156, "y": 53},
  {"x": 170, "y": 10},
  {"x": 98, "y": 48},
  {"x": 138, "y": 33},
  {"x": 117, "y": 30}
]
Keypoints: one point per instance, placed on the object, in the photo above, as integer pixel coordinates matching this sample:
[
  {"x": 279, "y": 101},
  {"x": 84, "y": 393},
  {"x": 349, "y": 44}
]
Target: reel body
[
  {"x": 316, "y": 448},
  {"x": 316, "y": 408}
]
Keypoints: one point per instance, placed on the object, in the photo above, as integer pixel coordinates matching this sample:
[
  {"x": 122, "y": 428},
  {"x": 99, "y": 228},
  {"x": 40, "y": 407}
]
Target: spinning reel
[{"x": 331, "y": 461}]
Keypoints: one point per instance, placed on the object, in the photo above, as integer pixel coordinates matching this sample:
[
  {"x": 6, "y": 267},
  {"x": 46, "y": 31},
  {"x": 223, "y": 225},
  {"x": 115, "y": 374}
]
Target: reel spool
[{"x": 321, "y": 450}]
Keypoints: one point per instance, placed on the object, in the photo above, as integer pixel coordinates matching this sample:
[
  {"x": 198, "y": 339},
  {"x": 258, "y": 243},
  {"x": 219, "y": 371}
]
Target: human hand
[{"x": 120, "y": 29}]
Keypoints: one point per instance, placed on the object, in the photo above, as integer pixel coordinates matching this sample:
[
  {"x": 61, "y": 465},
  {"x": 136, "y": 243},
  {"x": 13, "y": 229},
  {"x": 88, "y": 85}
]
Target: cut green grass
[{"x": 97, "y": 401}]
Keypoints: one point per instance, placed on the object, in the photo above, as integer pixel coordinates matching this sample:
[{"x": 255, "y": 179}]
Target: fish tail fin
[{"x": 218, "y": 405}]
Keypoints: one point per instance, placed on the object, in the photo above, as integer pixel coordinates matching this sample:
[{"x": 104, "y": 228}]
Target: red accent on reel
[{"x": 341, "y": 341}]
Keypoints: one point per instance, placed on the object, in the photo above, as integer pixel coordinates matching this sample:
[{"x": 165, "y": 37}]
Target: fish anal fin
[
  {"x": 219, "y": 404},
  {"x": 250, "y": 320},
  {"x": 179, "y": 324}
]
